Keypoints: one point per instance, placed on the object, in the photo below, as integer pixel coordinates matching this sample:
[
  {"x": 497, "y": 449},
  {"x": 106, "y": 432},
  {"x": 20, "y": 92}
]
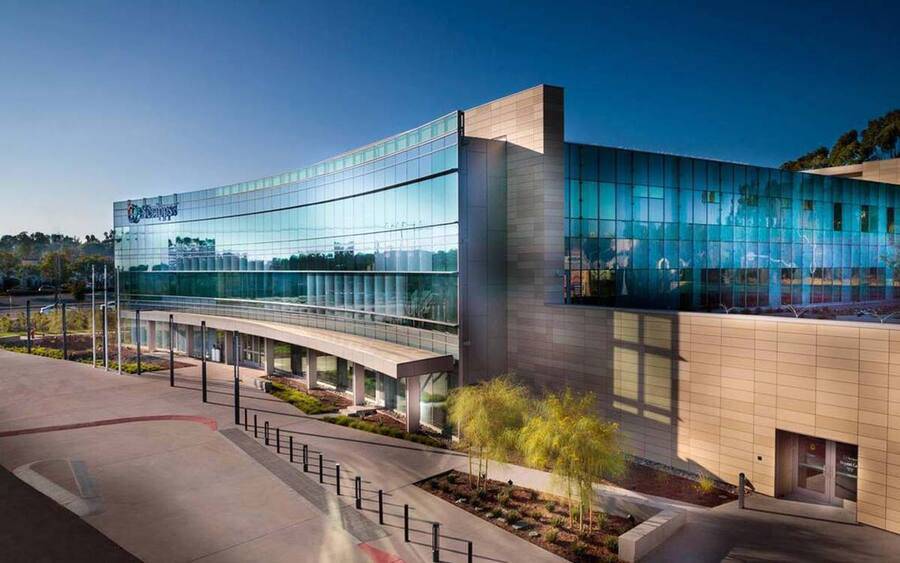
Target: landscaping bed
[
  {"x": 651, "y": 481},
  {"x": 79, "y": 349},
  {"x": 329, "y": 401},
  {"x": 539, "y": 518},
  {"x": 385, "y": 430},
  {"x": 300, "y": 399}
]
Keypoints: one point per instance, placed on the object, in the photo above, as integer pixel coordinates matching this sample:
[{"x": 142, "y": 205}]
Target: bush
[
  {"x": 513, "y": 516},
  {"x": 579, "y": 549},
  {"x": 557, "y": 522},
  {"x": 550, "y": 506},
  {"x": 451, "y": 478},
  {"x": 503, "y": 498},
  {"x": 303, "y": 401},
  {"x": 611, "y": 543},
  {"x": 37, "y": 351},
  {"x": 706, "y": 484},
  {"x": 383, "y": 429},
  {"x": 602, "y": 518},
  {"x": 495, "y": 512},
  {"x": 551, "y": 535}
]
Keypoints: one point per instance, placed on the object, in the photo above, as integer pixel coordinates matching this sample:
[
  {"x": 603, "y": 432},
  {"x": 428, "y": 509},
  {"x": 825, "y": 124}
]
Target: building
[
  {"x": 874, "y": 171},
  {"x": 482, "y": 242}
]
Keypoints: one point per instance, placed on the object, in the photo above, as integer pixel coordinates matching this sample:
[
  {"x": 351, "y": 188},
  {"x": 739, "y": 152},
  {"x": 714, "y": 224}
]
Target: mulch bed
[
  {"x": 79, "y": 347},
  {"x": 381, "y": 418},
  {"x": 652, "y": 481},
  {"x": 540, "y": 513},
  {"x": 328, "y": 398}
]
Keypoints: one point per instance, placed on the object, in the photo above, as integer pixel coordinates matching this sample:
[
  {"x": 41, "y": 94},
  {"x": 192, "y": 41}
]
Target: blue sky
[{"x": 103, "y": 101}]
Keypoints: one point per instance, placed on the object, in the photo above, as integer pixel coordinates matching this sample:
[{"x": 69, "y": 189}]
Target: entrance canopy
[{"x": 395, "y": 360}]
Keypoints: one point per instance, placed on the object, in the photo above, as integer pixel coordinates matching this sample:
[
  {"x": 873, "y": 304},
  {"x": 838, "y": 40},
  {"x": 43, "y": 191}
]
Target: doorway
[{"x": 815, "y": 470}]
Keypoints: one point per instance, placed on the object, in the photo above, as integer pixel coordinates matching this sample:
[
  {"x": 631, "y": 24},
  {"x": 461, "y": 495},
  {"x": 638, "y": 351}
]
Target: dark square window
[
  {"x": 838, "y": 219},
  {"x": 807, "y": 205},
  {"x": 890, "y": 220}
]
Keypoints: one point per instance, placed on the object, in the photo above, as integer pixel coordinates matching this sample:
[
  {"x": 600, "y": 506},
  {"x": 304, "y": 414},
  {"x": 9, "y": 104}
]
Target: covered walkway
[{"x": 386, "y": 359}]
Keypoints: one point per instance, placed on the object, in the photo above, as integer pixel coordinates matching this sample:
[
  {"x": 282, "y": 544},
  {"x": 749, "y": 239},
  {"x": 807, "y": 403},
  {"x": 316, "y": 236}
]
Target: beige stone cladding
[
  {"x": 706, "y": 392},
  {"x": 531, "y": 122},
  {"x": 887, "y": 171}
]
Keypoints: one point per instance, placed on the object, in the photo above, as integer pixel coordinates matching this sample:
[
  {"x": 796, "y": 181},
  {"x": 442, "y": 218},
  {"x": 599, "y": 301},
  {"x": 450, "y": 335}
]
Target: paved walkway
[{"x": 179, "y": 491}]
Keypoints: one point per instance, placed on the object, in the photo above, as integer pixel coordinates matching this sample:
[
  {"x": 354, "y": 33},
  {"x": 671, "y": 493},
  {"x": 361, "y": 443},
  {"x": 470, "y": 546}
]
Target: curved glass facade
[
  {"x": 661, "y": 231},
  {"x": 371, "y": 235}
]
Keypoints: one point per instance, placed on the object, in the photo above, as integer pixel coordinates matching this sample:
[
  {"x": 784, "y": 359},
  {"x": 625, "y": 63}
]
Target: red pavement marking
[
  {"x": 378, "y": 556},
  {"x": 209, "y": 422}
]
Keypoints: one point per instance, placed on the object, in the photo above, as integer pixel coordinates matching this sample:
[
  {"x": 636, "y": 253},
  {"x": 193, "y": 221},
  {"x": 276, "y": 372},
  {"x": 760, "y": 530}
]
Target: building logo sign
[{"x": 161, "y": 211}]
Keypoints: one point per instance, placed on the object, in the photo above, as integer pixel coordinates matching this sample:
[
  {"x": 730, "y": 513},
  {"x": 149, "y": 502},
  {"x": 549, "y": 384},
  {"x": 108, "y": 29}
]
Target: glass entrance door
[{"x": 811, "y": 461}]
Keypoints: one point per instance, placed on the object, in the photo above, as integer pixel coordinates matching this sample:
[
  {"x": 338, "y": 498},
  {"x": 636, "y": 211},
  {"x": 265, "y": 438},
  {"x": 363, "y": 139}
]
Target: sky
[{"x": 104, "y": 101}]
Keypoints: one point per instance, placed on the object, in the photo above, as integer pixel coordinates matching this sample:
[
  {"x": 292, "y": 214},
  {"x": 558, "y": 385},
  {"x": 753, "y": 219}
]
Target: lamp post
[
  {"x": 65, "y": 340},
  {"x": 171, "y": 350},
  {"x": 118, "y": 325},
  {"x": 236, "y": 344},
  {"x": 105, "y": 322},
  {"x": 203, "y": 360},
  {"x": 137, "y": 337},
  {"x": 93, "y": 317}
]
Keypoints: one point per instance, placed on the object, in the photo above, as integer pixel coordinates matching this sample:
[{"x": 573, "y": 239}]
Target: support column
[
  {"x": 379, "y": 389},
  {"x": 359, "y": 384},
  {"x": 412, "y": 403},
  {"x": 270, "y": 356},
  {"x": 151, "y": 336},
  {"x": 311, "y": 374},
  {"x": 229, "y": 348}
]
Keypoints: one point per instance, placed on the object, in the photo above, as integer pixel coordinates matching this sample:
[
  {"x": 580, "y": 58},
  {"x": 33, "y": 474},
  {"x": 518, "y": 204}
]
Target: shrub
[
  {"x": 513, "y": 516},
  {"x": 383, "y": 429},
  {"x": 550, "y": 506},
  {"x": 611, "y": 543},
  {"x": 662, "y": 477},
  {"x": 533, "y": 495},
  {"x": 579, "y": 549},
  {"x": 551, "y": 535},
  {"x": 557, "y": 522},
  {"x": 451, "y": 478},
  {"x": 706, "y": 484},
  {"x": 503, "y": 498},
  {"x": 481, "y": 494},
  {"x": 602, "y": 518},
  {"x": 495, "y": 512},
  {"x": 303, "y": 401}
]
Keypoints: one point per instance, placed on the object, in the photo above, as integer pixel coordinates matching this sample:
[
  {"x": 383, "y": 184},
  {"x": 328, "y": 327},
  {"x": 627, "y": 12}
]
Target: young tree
[
  {"x": 579, "y": 449},
  {"x": 489, "y": 417}
]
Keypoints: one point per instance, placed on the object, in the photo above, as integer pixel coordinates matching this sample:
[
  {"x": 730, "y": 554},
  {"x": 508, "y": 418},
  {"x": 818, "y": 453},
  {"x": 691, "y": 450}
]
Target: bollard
[
  {"x": 321, "y": 472},
  {"x": 741, "y": 484},
  {"x": 358, "y": 483},
  {"x": 406, "y": 523},
  {"x": 380, "y": 507},
  {"x": 266, "y": 432},
  {"x": 305, "y": 458},
  {"x": 469, "y": 554},
  {"x": 278, "y": 440},
  {"x": 255, "y": 428},
  {"x": 137, "y": 336},
  {"x": 291, "y": 448},
  {"x": 337, "y": 478},
  {"x": 435, "y": 542},
  {"x": 245, "y": 420}
]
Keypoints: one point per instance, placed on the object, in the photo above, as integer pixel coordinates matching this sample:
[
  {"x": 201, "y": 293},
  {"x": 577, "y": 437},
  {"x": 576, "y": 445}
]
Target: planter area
[
  {"x": 648, "y": 480},
  {"x": 537, "y": 517},
  {"x": 385, "y": 430},
  {"x": 318, "y": 401}
]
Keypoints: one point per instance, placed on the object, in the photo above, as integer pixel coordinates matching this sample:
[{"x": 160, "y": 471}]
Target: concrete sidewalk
[{"x": 176, "y": 491}]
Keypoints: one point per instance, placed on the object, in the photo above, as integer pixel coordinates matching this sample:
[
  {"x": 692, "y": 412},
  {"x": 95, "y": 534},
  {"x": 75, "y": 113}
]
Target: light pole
[
  {"x": 93, "y": 317},
  {"x": 203, "y": 358},
  {"x": 118, "y": 325},
  {"x": 105, "y": 322},
  {"x": 236, "y": 344}
]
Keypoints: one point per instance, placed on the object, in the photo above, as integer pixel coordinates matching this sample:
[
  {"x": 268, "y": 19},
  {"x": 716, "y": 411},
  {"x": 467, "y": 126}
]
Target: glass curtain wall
[
  {"x": 661, "y": 231},
  {"x": 373, "y": 231}
]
